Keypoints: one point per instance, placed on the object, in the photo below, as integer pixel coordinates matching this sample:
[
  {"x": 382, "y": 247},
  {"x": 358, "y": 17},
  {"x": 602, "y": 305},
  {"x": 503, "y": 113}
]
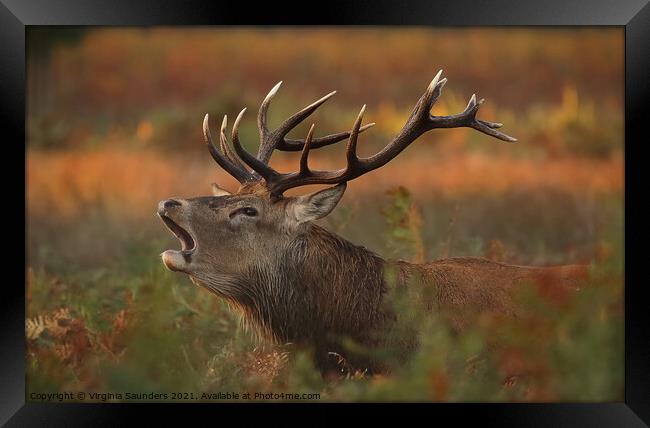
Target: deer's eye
[{"x": 247, "y": 211}]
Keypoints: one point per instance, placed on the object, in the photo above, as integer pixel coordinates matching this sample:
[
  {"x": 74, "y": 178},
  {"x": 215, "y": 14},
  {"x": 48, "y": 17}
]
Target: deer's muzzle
[{"x": 170, "y": 211}]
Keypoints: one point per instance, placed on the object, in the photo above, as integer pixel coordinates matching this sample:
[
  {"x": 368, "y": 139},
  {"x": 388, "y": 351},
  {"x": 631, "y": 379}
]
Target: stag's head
[{"x": 229, "y": 235}]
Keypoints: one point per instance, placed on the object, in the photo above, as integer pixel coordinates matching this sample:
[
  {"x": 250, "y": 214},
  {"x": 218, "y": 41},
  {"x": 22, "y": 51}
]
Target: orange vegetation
[{"x": 130, "y": 183}]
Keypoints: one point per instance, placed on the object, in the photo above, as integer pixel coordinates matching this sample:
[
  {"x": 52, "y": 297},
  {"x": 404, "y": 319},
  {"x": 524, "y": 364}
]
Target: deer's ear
[
  {"x": 317, "y": 205},
  {"x": 218, "y": 191}
]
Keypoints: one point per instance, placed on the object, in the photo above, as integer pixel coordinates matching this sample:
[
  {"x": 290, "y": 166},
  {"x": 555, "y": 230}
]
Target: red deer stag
[{"x": 294, "y": 281}]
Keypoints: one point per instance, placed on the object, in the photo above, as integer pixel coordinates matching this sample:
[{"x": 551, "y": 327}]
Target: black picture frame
[{"x": 633, "y": 15}]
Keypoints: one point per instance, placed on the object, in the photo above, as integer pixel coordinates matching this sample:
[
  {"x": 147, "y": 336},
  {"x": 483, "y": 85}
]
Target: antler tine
[
  {"x": 277, "y": 140},
  {"x": 468, "y": 118},
  {"x": 258, "y": 166},
  {"x": 351, "y": 149},
  {"x": 296, "y": 145},
  {"x": 270, "y": 140},
  {"x": 262, "y": 125},
  {"x": 237, "y": 171},
  {"x": 304, "y": 156},
  {"x": 225, "y": 148}
]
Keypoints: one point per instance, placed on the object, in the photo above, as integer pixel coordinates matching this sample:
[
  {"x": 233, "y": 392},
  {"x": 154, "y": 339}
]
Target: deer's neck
[{"x": 322, "y": 286}]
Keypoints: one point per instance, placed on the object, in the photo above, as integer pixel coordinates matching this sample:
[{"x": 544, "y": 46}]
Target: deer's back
[{"x": 465, "y": 287}]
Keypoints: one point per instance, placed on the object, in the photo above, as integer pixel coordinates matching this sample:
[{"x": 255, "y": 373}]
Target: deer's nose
[{"x": 167, "y": 204}]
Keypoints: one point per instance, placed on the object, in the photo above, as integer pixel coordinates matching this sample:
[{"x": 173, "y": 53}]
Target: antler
[
  {"x": 276, "y": 140},
  {"x": 269, "y": 140},
  {"x": 224, "y": 157},
  {"x": 419, "y": 122}
]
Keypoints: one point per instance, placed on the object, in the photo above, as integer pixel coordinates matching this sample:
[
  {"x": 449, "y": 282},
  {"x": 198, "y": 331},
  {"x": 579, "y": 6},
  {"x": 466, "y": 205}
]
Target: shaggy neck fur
[{"x": 320, "y": 289}]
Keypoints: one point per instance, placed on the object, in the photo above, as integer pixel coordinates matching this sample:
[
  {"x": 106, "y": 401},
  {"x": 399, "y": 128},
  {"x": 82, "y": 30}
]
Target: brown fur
[
  {"x": 296, "y": 282},
  {"x": 348, "y": 290}
]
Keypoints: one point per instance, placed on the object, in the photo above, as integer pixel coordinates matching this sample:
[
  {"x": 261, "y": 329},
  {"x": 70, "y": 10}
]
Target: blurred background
[{"x": 114, "y": 126}]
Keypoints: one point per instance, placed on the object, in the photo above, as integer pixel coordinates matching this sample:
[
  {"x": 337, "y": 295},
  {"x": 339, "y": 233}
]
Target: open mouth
[{"x": 187, "y": 242}]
